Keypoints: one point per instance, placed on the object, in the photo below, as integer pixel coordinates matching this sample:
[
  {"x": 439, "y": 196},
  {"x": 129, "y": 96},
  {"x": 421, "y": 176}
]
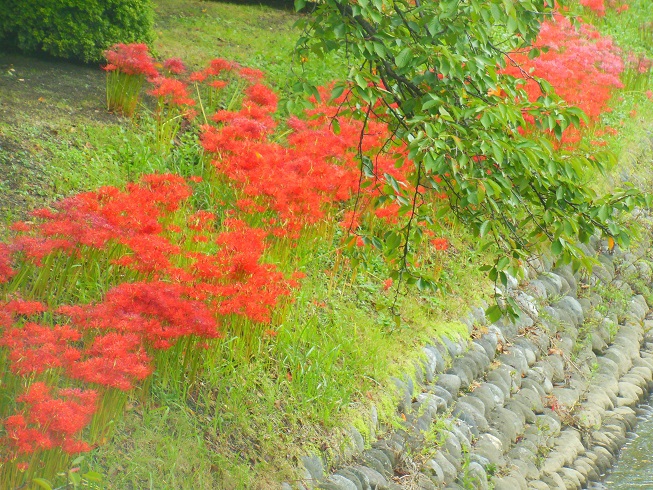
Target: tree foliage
[{"x": 435, "y": 70}]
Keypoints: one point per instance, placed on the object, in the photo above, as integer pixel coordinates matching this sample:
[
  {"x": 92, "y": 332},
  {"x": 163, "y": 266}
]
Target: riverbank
[{"x": 545, "y": 402}]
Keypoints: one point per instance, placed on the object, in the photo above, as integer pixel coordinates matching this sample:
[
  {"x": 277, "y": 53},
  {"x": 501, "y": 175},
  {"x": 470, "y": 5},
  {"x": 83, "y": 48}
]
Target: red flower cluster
[
  {"x": 93, "y": 219},
  {"x": 6, "y": 271},
  {"x": 158, "y": 312},
  {"x": 175, "y": 66},
  {"x": 188, "y": 269},
  {"x": 48, "y": 421},
  {"x": 298, "y": 181},
  {"x": 113, "y": 360},
  {"x": 35, "y": 348},
  {"x": 234, "y": 280},
  {"x": 171, "y": 91},
  {"x": 598, "y": 6},
  {"x": 130, "y": 59},
  {"x": 440, "y": 243},
  {"x": 581, "y": 65}
]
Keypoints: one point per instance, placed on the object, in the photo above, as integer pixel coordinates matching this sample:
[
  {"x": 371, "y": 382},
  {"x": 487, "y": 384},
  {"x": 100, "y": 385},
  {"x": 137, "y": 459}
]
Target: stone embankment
[{"x": 542, "y": 403}]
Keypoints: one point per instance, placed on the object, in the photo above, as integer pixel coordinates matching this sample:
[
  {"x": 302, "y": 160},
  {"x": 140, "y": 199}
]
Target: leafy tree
[{"x": 434, "y": 69}]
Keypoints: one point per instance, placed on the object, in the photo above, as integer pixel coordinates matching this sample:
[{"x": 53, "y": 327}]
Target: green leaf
[
  {"x": 43, "y": 483},
  {"x": 493, "y": 313},
  {"x": 335, "y": 125},
  {"x": 402, "y": 59},
  {"x": 379, "y": 49},
  {"x": 337, "y": 91},
  {"x": 557, "y": 246},
  {"x": 533, "y": 53},
  {"x": 393, "y": 182},
  {"x": 393, "y": 240},
  {"x": 424, "y": 284},
  {"x": 75, "y": 478},
  {"x": 77, "y": 461},
  {"x": 93, "y": 476}
]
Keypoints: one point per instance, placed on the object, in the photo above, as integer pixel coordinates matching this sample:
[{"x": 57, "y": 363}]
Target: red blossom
[
  {"x": 171, "y": 91},
  {"x": 48, "y": 421},
  {"x": 581, "y": 65},
  {"x": 218, "y": 65},
  {"x": 198, "y": 76},
  {"x": 6, "y": 270},
  {"x": 24, "y": 307},
  {"x": 35, "y": 348},
  {"x": 440, "y": 243},
  {"x": 158, "y": 312},
  {"x": 251, "y": 74},
  {"x": 115, "y": 359},
  {"x": 20, "y": 226},
  {"x": 175, "y": 66},
  {"x": 598, "y": 6},
  {"x": 130, "y": 59}
]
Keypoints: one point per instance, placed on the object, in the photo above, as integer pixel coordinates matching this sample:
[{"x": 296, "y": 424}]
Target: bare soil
[{"x": 42, "y": 103}]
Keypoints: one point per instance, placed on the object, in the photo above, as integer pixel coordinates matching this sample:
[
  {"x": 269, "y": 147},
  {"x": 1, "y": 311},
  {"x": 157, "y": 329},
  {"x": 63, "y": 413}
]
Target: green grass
[
  {"x": 246, "y": 421},
  {"x": 332, "y": 359},
  {"x": 260, "y": 36}
]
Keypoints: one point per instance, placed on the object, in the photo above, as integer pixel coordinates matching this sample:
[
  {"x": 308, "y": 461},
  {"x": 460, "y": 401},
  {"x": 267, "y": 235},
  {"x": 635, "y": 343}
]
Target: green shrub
[{"x": 75, "y": 29}]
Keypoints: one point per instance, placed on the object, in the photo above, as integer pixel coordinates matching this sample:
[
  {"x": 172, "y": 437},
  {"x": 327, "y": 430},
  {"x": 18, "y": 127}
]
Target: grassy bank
[{"x": 255, "y": 409}]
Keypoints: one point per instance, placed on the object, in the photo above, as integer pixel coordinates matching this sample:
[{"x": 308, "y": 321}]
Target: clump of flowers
[
  {"x": 128, "y": 66},
  {"x": 6, "y": 270},
  {"x": 597, "y": 6},
  {"x": 582, "y": 66},
  {"x": 49, "y": 418},
  {"x": 173, "y": 105}
]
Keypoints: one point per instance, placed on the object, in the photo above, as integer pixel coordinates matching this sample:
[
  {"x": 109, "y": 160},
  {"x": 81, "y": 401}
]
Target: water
[{"x": 634, "y": 469}]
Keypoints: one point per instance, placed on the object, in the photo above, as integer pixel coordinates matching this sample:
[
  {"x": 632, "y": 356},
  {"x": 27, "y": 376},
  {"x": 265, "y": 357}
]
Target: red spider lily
[
  {"x": 351, "y": 221},
  {"x": 218, "y": 65},
  {"x": 598, "y": 6},
  {"x": 167, "y": 190},
  {"x": 262, "y": 96},
  {"x": 440, "y": 243},
  {"x": 158, "y": 312},
  {"x": 20, "y": 226},
  {"x": 218, "y": 84},
  {"x": 35, "y": 348},
  {"x": 175, "y": 66},
  {"x": 581, "y": 65},
  {"x": 115, "y": 359},
  {"x": 6, "y": 270},
  {"x": 149, "y": 253},
  {"x": 201, "y": 220},
  {"x": 171, "y": 91},
  {"x": 36, "y": 249},
  {"x": 388, "y": 213},
  {"x": 251, "y": 74},
  {"x": 48, "y": 421},
  {"x": 130, "y": 59},
  {"x": 297, "y": 181},
  {"x": 639, "y": 63},
  {"x": 24, "y": 307},
  {"x": 198, "y": 76},
  {"x": 95, "y": 218},
  {"x": 233, "y": 281}
]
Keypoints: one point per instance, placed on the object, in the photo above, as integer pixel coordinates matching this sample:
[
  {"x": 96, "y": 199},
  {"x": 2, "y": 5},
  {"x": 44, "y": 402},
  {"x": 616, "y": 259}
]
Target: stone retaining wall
[{"x": 542, "y": 403}]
